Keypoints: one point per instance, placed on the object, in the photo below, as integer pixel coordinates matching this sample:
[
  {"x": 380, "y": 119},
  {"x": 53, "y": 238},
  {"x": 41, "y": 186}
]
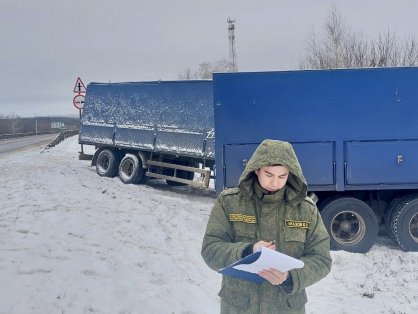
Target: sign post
[{"x": 78, "y": 100}]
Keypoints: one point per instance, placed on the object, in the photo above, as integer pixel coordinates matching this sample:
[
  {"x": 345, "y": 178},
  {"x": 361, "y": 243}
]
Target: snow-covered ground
[{"x": 74, "y": 242}]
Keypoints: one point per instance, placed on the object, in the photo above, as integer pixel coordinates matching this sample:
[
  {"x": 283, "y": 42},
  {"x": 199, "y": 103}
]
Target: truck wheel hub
[{"x": 345, "y": 226}]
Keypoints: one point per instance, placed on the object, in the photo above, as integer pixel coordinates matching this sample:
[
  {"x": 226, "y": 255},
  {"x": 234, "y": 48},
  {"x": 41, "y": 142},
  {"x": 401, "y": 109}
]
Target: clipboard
[{"x": 249, "y": 267}]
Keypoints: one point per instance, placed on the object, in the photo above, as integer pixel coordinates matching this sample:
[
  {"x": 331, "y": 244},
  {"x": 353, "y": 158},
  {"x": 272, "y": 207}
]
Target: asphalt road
[{"x": 22, "y": 142}]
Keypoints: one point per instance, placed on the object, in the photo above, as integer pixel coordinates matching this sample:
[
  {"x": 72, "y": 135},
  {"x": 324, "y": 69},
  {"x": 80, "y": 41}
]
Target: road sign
[
  {"x": 79, "y": 86},
  {"x": 78, "y": 101}
]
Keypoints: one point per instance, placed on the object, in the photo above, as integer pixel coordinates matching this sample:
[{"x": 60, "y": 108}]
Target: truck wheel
[
  {"x": 351, "y": 224},
  {"x": 405, "y": 223},
  {"x": 130, "y": 170},
  {"x": 107, "y": 163},
  {"x": 388, "y": 217}
]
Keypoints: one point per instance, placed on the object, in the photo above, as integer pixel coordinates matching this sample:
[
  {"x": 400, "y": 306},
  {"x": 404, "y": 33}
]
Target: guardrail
[
  {"x": 62, "y": 136},
  {"x": 17, "y": 135}
]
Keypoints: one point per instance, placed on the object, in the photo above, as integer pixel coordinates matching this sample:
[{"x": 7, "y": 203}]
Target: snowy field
[{"x": 74, "y": 242}]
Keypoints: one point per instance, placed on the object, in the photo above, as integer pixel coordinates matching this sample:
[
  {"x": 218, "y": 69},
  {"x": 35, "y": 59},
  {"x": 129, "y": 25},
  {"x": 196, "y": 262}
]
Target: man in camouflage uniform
[{"x": 270, "y": 203}]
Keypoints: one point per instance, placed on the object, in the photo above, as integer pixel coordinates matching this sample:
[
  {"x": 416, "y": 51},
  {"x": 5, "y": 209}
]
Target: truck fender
[
  {"x": 96, "y": 154},
  {"x": 143, "y": 159}
]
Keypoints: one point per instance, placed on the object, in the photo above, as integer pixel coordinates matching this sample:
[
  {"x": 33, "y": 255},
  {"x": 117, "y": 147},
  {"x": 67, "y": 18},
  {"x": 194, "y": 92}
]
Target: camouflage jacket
[{"x": 245, "y": 215}]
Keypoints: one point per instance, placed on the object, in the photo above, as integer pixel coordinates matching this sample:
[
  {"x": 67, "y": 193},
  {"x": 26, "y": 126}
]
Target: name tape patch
[
  {"x": 243, "y": 218},
  {"x": 297, "y": 224}
]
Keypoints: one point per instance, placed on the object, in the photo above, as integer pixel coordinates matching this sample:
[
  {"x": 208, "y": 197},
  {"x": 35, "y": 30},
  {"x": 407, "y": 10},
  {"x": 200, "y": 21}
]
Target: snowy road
[
  {"x": 74, "y": 242},
  {"x": 21, "y": 142}
]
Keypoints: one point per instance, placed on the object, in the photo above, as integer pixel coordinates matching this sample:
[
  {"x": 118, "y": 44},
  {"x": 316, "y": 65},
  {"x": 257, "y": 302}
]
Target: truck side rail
[{"x": 204, "y": 172}]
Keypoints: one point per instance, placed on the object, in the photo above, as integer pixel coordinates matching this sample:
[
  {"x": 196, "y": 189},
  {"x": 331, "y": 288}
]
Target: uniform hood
[{"x": 273, "y": 152}]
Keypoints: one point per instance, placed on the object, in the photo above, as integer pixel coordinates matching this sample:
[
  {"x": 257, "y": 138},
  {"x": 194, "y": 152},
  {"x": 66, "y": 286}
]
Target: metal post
[{"x": 82, "y": 150}]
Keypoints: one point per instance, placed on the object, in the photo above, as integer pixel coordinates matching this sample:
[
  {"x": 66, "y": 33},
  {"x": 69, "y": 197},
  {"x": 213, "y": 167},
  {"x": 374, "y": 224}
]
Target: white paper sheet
[{"x": 271, "y": 259}]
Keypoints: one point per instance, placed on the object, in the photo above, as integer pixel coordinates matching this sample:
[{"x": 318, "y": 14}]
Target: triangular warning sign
[{"x": 79, "y": 86}]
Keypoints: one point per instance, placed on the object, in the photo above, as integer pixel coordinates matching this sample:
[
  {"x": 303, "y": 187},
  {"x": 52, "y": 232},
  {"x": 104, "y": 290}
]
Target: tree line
[
  {"x": 340, "y": 47},
  {"x": 13, "y": 124}
]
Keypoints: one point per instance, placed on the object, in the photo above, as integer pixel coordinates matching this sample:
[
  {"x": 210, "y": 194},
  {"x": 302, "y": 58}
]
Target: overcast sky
[{"x": 47, "y": 44}]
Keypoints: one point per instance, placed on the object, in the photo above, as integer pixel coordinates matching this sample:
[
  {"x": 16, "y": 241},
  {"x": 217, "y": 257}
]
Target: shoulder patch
[{"x": 309, "y": 200}]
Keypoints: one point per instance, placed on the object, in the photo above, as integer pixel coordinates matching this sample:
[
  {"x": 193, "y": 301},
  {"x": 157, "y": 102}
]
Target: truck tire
[
  {"x": 388, "y": 217},
  {"x": 351, "y": 224},
  {"x": 405, "y": 223},
  {"x": 107, "y": 163},
  {"x": 130, "y": 170}
]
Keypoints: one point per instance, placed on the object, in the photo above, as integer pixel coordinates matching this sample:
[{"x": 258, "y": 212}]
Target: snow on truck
[
  {"x": 354, "y": 131},
  {"x": 151, "y": 129}
]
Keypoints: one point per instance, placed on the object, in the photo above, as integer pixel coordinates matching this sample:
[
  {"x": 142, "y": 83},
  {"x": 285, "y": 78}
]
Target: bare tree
[
  {"x": 205, "y": 70},
  {"x": 186, "y": 75},
  {"x": 11, "y": 124},
  {"x": 409, "y": 52},
  {"x": 342, "y": 48}
]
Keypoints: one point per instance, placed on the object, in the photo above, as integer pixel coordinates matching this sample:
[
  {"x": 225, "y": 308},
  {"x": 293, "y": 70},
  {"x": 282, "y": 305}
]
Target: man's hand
[
  {"x": 274, "y": 276},
  {"x": 270, "y": 245}
]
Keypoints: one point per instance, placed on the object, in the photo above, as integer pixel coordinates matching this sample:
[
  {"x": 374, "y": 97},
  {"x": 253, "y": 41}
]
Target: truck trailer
[
  {"x": 151, "y": 129},
  {"x": 354, "y": 132}
]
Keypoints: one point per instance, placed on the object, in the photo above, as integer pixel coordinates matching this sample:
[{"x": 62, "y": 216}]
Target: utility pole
[
  {"x": 232, "y": 54},
  {"x": 13, "y": 122}
]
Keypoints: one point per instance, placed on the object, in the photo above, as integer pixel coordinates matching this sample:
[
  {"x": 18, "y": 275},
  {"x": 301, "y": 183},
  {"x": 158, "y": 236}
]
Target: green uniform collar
[{"x": 268, "y": 197}]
